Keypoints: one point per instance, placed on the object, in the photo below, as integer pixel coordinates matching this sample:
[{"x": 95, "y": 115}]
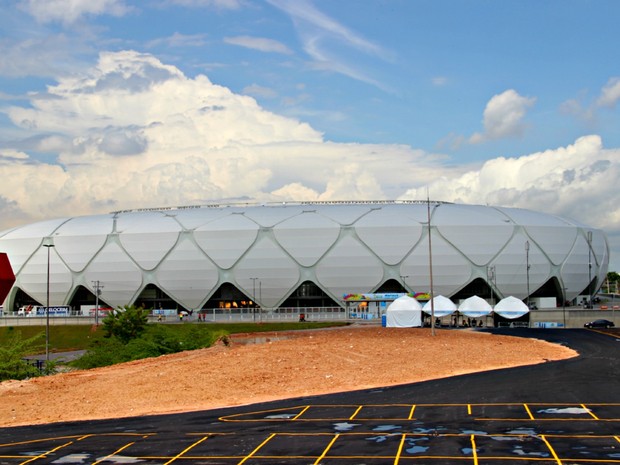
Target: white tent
[
  {"x": 404, "y": 312},
  {"x": 442, "y": 306},
  {"x": 511, "y": 308},
  {"x": 475, "y": 307}
]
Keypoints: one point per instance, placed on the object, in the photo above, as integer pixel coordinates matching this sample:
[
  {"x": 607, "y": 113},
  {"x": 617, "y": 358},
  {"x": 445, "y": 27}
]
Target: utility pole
[{"x": 98, "y": 288}]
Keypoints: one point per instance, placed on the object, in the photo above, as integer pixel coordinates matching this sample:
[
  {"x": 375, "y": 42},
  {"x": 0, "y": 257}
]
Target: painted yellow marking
[
  {"x": 617, "y": 438},
  {"x": 590, "y": 412},
  {"x": 117, "y": 451},
  {"x": 34, "y": 441},
  {"x": 468, "y": 409},
  {"x": 473, "y": 449},
  {"x": 555, "y": 456},
  {"x": 45, "y": 454},
  {"x": 271, "y": 436},
  {"x": 411, "y": 412},
  {"x": 356, "y": 412},
  {"x": 190, "y": 447},
  {"x": 527, "y": 409},
  {"x": 301, "y": 413},
  {"x": 324, "y": 453},
  {"x": 400, "y": 449}
]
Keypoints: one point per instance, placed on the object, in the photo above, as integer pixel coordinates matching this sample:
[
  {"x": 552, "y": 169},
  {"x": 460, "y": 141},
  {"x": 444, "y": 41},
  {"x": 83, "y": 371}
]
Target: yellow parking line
[
  {"x": 555, "y": 456},
  {"x": 186, "y": 449},
  {"x": 300, "y": 413},
  {"x": 107, "y": 457},
  {"x": 473, "y": 449},
  {"x": 45, "y": 454},
  {"x": 411, "y": 412},
  {"x": 356, "y": 412},
  {"x": 324, "y": 453},
  {"x": 400, "y": 449},
  {"x": 256, "y": 449},
  {"x": 590, "y": 412},
  {"x": 527, "y": 409}
]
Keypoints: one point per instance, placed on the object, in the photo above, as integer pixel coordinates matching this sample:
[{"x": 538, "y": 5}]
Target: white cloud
[
  {"x": 576, "y": 181},
  {"x": 259, "y": 43},
  {"x": 178, "y": 40},
  {"x": 322, "y": 36},
  {"x": 610, "y": 94},
  {"x": 259, "y": 91},
  {"x": 503, "y": 116},
  {"x": 132, "y": 132},
  {"x": 69, "y": 11}
]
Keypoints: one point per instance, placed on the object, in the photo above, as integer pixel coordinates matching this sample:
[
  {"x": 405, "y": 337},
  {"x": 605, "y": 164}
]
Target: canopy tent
[
  {"x": 442, "y": 306},
  {"x": 475, "y": 307},
  {"x": 510, "y": 307},
  {"x": 404, "y": 312}
]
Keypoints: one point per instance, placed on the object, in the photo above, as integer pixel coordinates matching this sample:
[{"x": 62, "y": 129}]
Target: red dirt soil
[{"x": 282, "y": 365}]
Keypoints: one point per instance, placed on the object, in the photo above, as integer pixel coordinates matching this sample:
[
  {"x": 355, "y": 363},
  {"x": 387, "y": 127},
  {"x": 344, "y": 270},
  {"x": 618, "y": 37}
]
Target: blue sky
[{"x": 511, "y": 103}]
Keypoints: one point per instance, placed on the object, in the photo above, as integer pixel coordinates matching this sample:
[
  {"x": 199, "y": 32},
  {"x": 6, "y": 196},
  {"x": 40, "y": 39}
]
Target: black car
[{"x": 599, "y": 324}]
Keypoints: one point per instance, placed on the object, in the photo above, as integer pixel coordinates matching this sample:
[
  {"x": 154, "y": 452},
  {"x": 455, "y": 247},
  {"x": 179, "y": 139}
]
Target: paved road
[{"x": 554, "y": 413}]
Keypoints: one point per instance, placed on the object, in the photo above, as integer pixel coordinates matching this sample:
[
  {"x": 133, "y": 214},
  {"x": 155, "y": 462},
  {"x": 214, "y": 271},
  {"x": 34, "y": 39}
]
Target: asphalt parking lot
[{"x": 555, "y": 413}]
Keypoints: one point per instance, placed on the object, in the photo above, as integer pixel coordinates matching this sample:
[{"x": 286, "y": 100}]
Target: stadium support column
[{"x": 48, "y": 245}]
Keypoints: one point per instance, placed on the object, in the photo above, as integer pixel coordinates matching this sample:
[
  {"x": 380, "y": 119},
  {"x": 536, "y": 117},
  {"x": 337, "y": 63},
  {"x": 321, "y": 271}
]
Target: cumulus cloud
[
  {"x": 258, "y": 43},
  {"x": 69, "y": 11},
  {"x": 132, "y": 132},
  {"x": 574, "y": 181},
  {"x": 503, "y": 116}
]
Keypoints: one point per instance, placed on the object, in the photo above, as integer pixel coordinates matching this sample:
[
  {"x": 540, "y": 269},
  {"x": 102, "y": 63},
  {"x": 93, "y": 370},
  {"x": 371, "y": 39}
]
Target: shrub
[
  {"x": 13, "y": 364},
  {"x": 126, "y": 323}
]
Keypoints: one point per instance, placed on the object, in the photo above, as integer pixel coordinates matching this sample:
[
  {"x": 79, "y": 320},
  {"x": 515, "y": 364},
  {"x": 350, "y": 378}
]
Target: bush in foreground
[
  {"x": 153, "y": 341},
  {"x": 13, "y": 364}
]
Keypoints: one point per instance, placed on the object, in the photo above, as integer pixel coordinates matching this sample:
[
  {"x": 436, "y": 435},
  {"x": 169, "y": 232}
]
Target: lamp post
[
  {"x": 98, "y": 288},
  {"x": 590, "y": 270},
  {"x": 48, "y": 246},
  {"x": 254, "y": 298},
  {"x": 430, "y": 262},
  {"x": 564, "y": 305},
  {"x": 491, "y": 281},
  {"x": 404, "y": 278},
  {"x": 527, "y": 271}
]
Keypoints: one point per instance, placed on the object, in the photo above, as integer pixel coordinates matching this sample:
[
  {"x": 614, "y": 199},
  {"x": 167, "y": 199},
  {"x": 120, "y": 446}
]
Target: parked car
[{"x": 599, "y": 324}]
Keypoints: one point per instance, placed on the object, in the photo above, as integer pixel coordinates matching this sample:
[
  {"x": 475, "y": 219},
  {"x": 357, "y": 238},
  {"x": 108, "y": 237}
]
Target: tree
[
  {"x": 126, "y": 323},
  {"x": 613, "y": 279}
]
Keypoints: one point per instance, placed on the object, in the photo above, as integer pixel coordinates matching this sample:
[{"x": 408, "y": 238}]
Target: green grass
[{"x": 81, "y": 337}]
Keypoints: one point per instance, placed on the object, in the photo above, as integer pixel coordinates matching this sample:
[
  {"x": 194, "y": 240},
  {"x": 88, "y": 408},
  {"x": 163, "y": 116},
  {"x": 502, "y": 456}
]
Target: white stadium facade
[{"x": 301, "y": 255}]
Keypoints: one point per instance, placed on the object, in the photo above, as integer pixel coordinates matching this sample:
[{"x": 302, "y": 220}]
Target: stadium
[{"x": 301, "y": 255}]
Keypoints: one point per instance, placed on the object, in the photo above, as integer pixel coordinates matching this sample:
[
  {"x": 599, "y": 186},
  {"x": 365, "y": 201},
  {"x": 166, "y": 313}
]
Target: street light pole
[
  {"x": 404, "y": 278},
  {"x": 590, "y": 270},
  {"x": 254, "y": 298},
  {"x": 564, "y": 305},
  {"x": 98, "y": 287},
  {"x": 48, "y": 246},
  {"x": 527, "y": 271},
  {"x": 491, "y": 279},
  {"x": 430, "y": 262}
]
